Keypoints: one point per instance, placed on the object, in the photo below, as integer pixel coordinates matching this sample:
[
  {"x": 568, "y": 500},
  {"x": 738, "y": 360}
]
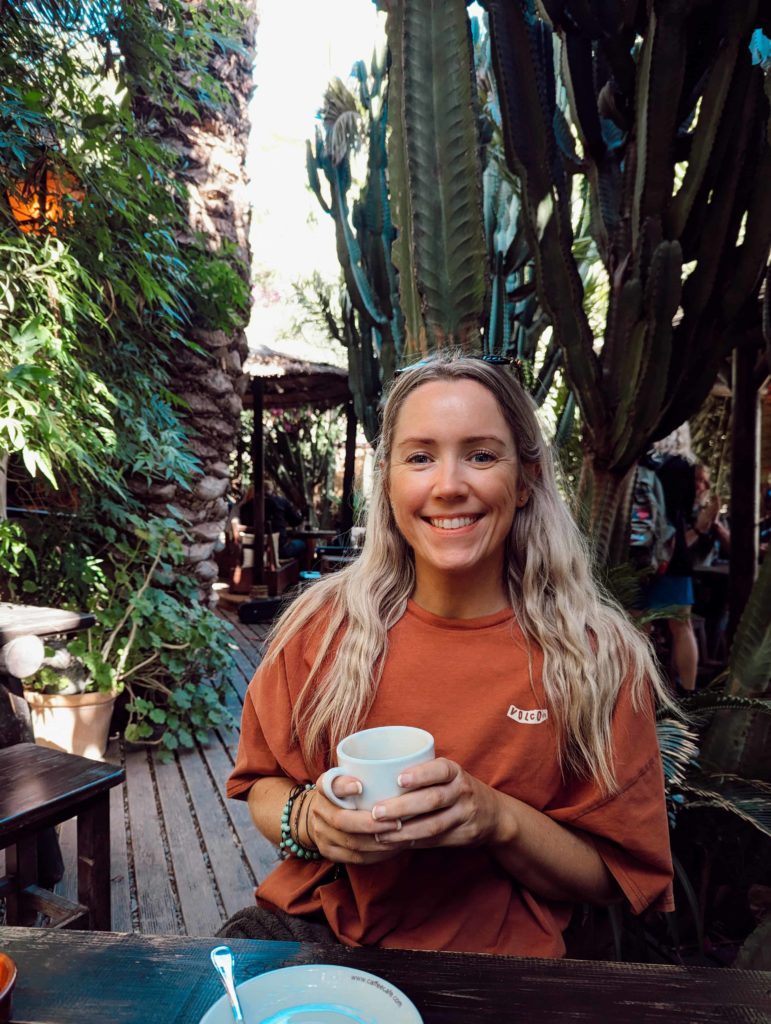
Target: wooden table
[
  {"x": 40, "y": 787},
  {"x": 84, "y": 977},
  {"x": 28, "y": 620}
]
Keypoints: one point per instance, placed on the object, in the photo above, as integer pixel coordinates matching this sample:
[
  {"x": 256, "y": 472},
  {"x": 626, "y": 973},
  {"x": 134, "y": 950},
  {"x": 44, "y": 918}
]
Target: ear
[{"x": 529, "y": 473}]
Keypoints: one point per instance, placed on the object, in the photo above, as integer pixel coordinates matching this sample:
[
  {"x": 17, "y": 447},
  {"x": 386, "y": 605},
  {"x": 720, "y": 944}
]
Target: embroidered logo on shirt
[{"x": 524, "y": 717}]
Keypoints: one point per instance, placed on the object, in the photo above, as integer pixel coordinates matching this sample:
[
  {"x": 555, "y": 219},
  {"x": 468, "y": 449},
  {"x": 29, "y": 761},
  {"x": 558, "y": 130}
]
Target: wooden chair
[{"x": 39, "y": 788}]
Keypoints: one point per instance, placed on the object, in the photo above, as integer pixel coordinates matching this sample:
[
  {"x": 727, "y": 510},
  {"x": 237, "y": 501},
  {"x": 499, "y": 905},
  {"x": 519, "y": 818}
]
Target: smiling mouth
[{"x": 454, "y": 523}]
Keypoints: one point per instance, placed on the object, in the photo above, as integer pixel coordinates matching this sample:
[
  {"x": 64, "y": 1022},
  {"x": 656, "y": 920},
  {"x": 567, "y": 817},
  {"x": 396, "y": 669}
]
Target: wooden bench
[
  {"x": 281, "y": 579},
  {"x": 39, "y": 788}
]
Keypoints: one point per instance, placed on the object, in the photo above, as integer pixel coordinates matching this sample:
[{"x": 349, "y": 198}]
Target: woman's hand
[
  {"x": 347, "y": 837},
  {"x": 446, "y": 807}
]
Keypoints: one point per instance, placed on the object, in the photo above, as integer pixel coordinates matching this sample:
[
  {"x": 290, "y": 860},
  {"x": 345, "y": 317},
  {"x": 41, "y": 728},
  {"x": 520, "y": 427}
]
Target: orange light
[{"x": 45, "y": 199}]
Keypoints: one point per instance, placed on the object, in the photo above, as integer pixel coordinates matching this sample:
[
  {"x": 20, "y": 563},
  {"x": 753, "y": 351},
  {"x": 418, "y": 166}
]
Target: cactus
[
  {"x": 436, "y": 184},
  {"x": 458, "y": 270},
  {"x": 372, "y": 327},
  {"x": 651, "y": 86}
]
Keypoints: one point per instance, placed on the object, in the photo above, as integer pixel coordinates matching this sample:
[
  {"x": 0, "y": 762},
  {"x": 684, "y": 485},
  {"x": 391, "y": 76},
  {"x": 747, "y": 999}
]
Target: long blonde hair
[{"x": 589, "y": 645}]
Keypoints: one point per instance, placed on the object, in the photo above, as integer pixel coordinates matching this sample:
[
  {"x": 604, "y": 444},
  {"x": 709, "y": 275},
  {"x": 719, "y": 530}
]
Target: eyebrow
[{"x": 475, "y": 439}]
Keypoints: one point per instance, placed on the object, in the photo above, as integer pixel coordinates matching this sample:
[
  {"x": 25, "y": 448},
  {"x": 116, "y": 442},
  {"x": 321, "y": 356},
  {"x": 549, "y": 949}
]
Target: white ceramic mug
[{"x": 377, "y": 757}]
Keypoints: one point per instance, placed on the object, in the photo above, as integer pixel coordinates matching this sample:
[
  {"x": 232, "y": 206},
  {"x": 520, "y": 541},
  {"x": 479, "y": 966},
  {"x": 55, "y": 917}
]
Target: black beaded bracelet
[{"x": 289, "y": 845}]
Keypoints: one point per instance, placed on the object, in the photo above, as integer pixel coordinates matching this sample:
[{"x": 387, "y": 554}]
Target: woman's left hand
[{"x": 445, "y": 806}]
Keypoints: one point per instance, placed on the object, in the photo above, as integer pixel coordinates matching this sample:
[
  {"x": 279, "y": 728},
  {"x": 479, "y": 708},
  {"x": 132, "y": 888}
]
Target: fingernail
[
  {"x": 378, "y": 812},
  {"x": 404, "y": 779},
  {"x": 398, "y": 823},
  {"x": 353, "y": 789}
]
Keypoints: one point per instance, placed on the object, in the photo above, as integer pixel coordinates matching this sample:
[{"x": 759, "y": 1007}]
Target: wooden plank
[
  {"x": 260, "y": 854},
  {"x": 73, "y": 977},
  {"x": 234, "y": 876},
  {"x": 68, "y": 843},
  {"x": 120, "y": 876},
  {"x": 195, "y": 889},
  {"x": 157, "y": 904}
]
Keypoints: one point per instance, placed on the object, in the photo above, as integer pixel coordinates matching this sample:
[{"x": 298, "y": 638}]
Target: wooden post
[
  {"x": 258, "y": 479},
  {"x": 346, "y": 511},
  {"x": 745, "y": 453}
]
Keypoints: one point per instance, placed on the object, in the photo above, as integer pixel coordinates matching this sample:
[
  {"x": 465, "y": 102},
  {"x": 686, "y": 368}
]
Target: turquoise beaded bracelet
[{"x": 290, "y": 846}]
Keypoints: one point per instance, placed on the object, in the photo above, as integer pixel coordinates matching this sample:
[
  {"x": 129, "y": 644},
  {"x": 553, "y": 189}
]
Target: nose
[{"x": 449, "y": 480}]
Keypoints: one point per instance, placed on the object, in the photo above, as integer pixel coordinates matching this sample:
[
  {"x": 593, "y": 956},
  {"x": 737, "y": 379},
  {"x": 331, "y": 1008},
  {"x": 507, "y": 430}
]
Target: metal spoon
[{"x": 222, "y": 958}]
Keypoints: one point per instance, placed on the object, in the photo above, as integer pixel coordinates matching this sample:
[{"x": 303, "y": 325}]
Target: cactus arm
[
  {"x": 624, "y": 311},
  {"x": 659, "y": 84},
  {"x": 752, "y": 254},
  {"x": 415, "y": 340},
  {"x": 578, "y": 76},
  {"x": 566, "y": 422},
  {"x": 722, "y": 219},
  {"x": 662, "y": 297},
  {"x": 440, "y": 132},
  {"x": 516, "y": 46},
  {"x": 312, "y": 166},
  {"x": 712, "y": 104},
  {"x": 348, "y": 250}
]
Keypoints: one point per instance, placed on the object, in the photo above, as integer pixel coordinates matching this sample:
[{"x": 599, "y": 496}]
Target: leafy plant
[
  {"x": 97, "y": 294},
  {"x": 151, "y": 638}
]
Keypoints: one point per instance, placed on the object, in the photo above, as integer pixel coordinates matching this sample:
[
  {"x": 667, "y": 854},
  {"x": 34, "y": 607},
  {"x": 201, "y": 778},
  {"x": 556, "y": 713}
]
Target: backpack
[{"x": 652, "y": 536}]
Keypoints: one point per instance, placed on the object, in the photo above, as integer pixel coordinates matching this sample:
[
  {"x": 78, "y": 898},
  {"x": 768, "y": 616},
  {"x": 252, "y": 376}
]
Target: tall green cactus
[
  {"x": 654, "y": 86},
  {"x": 436, "y": 184},
  {"x": 372, "y": 327}
]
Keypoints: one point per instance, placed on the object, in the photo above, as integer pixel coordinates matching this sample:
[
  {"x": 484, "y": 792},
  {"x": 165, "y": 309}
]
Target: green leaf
[{"x": 185, "y": 738}]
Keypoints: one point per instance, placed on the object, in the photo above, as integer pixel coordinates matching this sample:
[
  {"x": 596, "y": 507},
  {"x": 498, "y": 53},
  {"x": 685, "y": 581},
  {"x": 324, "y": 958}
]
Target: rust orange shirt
[{"x": 467, "y": 682}]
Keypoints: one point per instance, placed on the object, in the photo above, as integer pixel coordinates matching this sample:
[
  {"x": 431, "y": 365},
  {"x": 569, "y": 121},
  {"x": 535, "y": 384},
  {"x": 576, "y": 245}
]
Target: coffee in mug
[{"x": 377, "y": 757}]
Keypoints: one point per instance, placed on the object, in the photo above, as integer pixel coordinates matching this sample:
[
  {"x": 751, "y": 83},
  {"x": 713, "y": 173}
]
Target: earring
[{"x": 522, "y": 500}]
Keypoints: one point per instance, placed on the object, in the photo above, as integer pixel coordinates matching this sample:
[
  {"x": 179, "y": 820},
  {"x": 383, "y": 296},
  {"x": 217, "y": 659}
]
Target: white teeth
[{"x": 453, "y": 524}]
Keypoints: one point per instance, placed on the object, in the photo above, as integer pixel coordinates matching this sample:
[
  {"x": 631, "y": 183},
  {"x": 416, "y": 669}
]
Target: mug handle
[{"x": 326, "y": 780}]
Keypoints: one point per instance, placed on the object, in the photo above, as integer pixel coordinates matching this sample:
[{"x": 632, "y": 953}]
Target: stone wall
[{"x": 212, "y": 155}]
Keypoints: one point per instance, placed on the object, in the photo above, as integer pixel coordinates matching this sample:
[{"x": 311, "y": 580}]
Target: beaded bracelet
[{"x": 289, "y": 845}]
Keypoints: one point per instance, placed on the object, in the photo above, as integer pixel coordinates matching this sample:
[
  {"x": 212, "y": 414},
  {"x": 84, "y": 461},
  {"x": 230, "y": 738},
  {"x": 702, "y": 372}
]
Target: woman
[
  {"x": 471, "y": 604},
  {"x": 676, "y": 467}
]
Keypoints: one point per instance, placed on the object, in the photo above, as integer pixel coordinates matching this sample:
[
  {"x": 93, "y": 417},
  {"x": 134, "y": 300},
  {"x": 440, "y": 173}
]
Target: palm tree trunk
[{"x": 212, "y": 156}]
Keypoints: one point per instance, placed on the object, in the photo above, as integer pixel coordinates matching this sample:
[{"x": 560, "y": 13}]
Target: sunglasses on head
[{"x": 516, "y": 364}]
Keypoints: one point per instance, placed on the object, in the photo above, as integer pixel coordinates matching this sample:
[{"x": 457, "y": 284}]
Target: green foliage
[
  {"x": 220, "y": 295},
  {"x": 94, "y": 303},
  {"x": 301, "y": 458},
  {"x": 657, "y": 118},
  {"x": 152, "y": 637}
]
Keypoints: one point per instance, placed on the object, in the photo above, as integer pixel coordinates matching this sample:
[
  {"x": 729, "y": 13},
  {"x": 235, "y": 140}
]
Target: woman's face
[{"x": 454, "y": 478}]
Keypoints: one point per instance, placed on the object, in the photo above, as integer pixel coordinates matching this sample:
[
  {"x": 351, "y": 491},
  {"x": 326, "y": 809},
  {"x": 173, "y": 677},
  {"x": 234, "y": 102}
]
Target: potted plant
[
  {"x": 71, "y": 697},
  {"x": 70, "y": 706}
]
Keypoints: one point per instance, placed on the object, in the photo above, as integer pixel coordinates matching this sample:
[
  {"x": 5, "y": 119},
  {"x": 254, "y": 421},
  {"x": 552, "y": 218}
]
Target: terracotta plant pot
[
  {"x": 78, "y": 723},
  {"x": 7, "y": 981}
]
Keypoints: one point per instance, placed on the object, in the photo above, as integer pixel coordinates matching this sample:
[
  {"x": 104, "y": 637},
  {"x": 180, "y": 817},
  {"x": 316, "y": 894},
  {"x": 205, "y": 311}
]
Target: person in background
[
  {"x": 675, "y": 465},
  {"x": 708, "y": 536},
  {"x": 471, "y": 612},
  {"x": 280, "y": 515}
]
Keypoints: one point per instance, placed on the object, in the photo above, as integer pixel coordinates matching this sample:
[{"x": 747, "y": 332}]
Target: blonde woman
[{"x": 471, "y": 612}]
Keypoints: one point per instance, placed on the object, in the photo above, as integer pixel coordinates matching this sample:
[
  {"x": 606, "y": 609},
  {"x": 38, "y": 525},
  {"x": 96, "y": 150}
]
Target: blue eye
[
  {"x": 418, "y": 458},
  {"x": 483, "y": 457}
]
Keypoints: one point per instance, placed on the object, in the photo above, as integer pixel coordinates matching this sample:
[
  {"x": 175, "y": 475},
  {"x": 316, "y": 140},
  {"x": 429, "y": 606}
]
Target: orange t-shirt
[{"x": 467, "y": 682}]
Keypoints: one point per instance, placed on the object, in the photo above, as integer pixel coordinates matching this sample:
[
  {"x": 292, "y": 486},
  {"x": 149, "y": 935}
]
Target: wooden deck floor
[{"x": 183, "y": 857}]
